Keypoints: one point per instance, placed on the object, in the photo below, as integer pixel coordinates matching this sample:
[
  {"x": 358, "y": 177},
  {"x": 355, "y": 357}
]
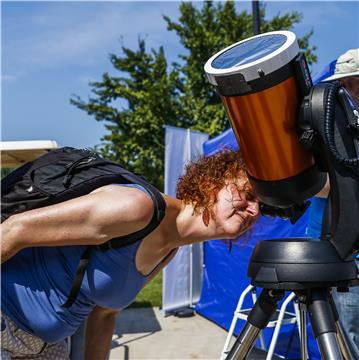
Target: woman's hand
[{"x": 233, "y": 213}]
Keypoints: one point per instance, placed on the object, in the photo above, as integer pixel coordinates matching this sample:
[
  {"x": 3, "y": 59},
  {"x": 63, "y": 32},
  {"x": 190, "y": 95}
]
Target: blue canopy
[
  {"x": 327, "y": 71},
  {"x": 224, "y": 140}
]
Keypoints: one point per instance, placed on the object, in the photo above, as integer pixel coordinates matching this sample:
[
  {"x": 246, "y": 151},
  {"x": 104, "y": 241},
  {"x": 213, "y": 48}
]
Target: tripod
[
  {"x": 314, "y": 297},
  {"x": 309, "y": 267}
]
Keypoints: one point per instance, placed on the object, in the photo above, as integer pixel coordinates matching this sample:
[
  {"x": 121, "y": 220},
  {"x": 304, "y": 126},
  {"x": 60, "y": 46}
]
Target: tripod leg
[
  {"x": 261, "y": 337},
  {"x": 323, "y": 324},
  {"x": 344, "y": 347},
  {"x": 343, "y": 343},
  {"x": 235, "y": 319},
  {"x": 329, "y": 346},
  {"x": 257, "y": 320},
  {"x": 244, "y": 342},
  {"x": 303, "y": 331}
]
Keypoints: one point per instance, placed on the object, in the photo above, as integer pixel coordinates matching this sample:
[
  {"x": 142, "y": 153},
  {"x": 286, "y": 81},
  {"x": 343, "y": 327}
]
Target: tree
[
  {"x": 178, "y": 95},
  {"x": 152, "y": 95},
  {"x": 5, "y": 172}
]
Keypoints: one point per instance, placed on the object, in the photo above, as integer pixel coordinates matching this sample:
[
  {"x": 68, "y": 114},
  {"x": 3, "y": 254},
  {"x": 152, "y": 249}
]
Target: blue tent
[{"x": 326, "y": 72}]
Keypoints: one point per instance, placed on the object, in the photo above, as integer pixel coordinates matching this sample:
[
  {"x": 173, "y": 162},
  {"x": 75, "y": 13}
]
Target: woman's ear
[
  {"x": 235, "y": 192},
  {"x": 233, "y": 189},
  {"x": 205, "y": 217}
]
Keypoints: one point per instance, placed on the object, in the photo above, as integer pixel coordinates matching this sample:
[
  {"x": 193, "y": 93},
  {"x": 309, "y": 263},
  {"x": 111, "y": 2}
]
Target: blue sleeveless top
[
  {"x": 36, "y": 282},
  {"x": 316, "y": 212}
]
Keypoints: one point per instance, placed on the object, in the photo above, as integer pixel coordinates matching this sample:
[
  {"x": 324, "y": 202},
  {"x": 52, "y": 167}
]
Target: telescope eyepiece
[{"x": 293, "y": 213}]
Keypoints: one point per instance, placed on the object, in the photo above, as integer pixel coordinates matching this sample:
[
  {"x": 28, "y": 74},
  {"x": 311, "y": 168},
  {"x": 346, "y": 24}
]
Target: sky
[{"x": 51, "y": 50}]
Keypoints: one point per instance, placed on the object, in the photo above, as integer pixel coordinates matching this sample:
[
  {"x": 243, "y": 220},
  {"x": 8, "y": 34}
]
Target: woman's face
[{"x": 235, "y": 211}]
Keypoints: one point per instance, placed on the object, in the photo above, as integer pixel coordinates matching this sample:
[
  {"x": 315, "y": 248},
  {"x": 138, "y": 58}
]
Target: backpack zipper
[{"x": 69, "y": 172}]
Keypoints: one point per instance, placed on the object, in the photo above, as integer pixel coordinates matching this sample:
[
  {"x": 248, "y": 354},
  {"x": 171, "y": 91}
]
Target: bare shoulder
[{"x": 126, "y": 201}]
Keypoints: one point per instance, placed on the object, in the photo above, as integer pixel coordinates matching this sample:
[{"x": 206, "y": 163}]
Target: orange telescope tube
[{"x": 264, "y": 125}]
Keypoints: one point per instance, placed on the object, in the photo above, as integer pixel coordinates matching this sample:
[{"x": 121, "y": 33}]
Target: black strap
[{"x": 80, "y": 273}]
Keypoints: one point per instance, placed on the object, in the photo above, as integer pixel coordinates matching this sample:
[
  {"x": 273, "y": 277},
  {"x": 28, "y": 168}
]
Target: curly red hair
[{"x": 204, "y": 178}]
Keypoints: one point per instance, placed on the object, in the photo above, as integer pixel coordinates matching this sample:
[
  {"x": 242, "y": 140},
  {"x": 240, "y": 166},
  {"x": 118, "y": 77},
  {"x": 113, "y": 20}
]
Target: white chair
[{"x": 282, "y": 317}]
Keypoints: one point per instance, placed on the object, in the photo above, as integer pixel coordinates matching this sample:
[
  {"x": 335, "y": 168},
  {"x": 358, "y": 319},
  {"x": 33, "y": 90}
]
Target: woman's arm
[
  {"x": 100, "y": 327},
  {"x": 108, "y": 212}
]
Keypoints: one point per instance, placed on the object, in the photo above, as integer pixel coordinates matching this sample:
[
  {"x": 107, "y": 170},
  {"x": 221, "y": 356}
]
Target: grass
[{"x": 151, "y": 294}]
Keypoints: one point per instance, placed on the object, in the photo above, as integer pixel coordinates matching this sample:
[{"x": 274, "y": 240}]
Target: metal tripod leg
[
  {"x": 344, "y": 347},
  {"x": 261, "y": 337},
  {"x": 323, "y": 324},
  {"x": 258, "y": 319},
  {"x": 303, "y": 331},
  {"x": 343, "y": 342},
  {"x": 244, "y": 342},
  {"x": 329, "y": 346}
]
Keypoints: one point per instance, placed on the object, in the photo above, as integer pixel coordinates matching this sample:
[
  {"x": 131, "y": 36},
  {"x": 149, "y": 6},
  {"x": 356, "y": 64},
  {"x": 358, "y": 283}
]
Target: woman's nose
[{"x": 253, "y": 208}]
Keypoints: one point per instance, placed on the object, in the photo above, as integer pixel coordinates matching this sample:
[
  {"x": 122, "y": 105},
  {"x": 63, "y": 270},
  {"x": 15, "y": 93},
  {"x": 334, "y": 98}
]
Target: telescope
[{"x": 293, "y": 135}]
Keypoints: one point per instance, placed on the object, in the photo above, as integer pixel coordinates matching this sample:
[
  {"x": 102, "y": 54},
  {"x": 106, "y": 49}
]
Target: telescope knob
[{"x": 307, "y": 139}]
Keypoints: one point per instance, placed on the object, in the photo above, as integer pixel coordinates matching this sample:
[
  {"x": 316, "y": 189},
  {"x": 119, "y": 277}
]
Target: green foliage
[
  {"x": 5, "y": 172},
  {"x": 151, "y": 294},
  {"x": 157, "y": 94},
  {"x": 136, "y": 132}
]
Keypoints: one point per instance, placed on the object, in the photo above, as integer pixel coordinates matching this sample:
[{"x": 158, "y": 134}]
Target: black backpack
[{"x": 67, "y": 173}]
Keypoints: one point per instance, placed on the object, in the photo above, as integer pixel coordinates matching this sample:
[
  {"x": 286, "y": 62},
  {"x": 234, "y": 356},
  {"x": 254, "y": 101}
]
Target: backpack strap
[
  {"x": 80, "y": 272},
  {"x": 158, "y": 215}
]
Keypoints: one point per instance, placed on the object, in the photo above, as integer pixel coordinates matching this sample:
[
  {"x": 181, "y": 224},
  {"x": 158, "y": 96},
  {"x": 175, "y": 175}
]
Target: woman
[{"x": 214, "y": 201}]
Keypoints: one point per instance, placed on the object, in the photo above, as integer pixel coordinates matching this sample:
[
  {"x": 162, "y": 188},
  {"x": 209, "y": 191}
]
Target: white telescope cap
[{"x": 254, "y": 57}]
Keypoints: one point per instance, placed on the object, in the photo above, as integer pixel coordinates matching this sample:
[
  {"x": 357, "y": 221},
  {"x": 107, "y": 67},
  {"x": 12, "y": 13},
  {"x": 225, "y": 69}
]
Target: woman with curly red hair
[
  {"x": 208, "y": 177},
  {"x": 214, "y": 201}
]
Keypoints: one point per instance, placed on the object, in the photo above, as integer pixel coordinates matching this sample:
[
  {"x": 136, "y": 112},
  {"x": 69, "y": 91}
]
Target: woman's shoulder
[{"x": 133, "y": 200}]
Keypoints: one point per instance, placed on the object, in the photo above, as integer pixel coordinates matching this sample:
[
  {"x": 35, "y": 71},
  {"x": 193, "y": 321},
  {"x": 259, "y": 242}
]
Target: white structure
[
  {"x": 182, "y": 278},
  {"x": 16, "y": 153}
]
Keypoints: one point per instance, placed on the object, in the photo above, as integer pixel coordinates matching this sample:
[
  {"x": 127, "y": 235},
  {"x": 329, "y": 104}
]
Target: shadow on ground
[{"x": 143, "y": 322}]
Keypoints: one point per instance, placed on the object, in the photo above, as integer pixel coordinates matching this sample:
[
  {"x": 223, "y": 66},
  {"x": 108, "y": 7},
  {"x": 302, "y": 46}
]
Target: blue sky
[{"x": 51, "y": 50}]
